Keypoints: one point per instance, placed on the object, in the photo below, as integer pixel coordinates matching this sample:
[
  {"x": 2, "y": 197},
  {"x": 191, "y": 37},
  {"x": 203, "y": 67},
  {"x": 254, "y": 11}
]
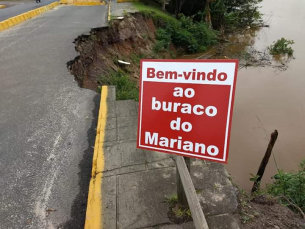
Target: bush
[
  {"x": 281, "y": 46},
  {"x": 125, "y": 87},
  {"x": 164, "y": 40},
  {"x": 291, "y": 186},
  {"x": 185, "y": 33}
]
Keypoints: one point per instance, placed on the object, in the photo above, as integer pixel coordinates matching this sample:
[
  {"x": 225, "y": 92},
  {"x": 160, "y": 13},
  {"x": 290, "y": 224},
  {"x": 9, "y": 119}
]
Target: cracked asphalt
[{"x": 47, "y": 123}]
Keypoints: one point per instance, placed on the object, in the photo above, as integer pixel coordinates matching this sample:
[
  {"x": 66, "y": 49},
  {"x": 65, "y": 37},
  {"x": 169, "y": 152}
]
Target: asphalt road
[
  {"x": 21, "y": 8},
  {"x": 47, "y": 123}
]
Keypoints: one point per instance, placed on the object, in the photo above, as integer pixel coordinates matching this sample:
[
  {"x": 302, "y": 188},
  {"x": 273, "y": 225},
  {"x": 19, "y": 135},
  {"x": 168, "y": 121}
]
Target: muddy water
[{"x": 266, "y": 98}]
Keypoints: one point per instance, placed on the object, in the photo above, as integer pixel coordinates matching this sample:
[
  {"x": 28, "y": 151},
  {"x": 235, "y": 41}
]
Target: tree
[
  {"x": 208, "y": 14},
  {"x": 178, "y": 6}
]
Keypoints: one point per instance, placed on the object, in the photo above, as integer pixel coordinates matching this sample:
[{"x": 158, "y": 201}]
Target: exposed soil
[
  {"x": 127, "y": 40},
  {"x": 265, "y": 212}
]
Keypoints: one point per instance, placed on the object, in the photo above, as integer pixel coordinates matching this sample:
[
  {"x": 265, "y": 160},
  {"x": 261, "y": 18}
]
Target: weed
[
  {"x": 172, "y": 200},
  {"x": 182, "y": 212},
  {"x": 111, "y": 21},
  {"x": 125, "y": 87},
  {"x": 281, "y": 46},
  {"x": 179, "y": 212},
  {"x": 198, "y": 191},
  {"x": 290, "y": 188},
  {"x": 135, "y": 58}
]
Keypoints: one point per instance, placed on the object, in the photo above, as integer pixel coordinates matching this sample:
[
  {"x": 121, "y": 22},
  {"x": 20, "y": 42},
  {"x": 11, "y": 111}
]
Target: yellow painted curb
[
  {"x": 21, "y": 19},
  {"x": 88, "y": 3},
  {"x": 32, "y": 13},
  {"x": 10, "y": 22},
  {"x": 25, "y": 16},
  {"x": 109, "y": 10},
  {"x": 94, "y": 203},
  {"x": 83, "y": 2},
  {"x": 4, "y": 24},
  {"x": 28, "y": 15},
  {"x": 2, "y": 6}
]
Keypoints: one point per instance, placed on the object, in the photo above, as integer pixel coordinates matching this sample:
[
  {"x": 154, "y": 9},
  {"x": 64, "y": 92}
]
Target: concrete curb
[
  {"x": 94, "y": 205},
  {"x": 109, "y": 11},
  {"x": 83, "y": 2},
  {"x": 10, "y": 22}
]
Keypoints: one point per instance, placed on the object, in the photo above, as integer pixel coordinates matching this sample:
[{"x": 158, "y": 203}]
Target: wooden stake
[
  {"x": 182, "y": 200},
  {"x": 190, "y": 192},
  {"x": 264, "y": 162}
]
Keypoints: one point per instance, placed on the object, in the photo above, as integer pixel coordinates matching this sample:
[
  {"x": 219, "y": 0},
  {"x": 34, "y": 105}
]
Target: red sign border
[{"x": 191, "y": 61}]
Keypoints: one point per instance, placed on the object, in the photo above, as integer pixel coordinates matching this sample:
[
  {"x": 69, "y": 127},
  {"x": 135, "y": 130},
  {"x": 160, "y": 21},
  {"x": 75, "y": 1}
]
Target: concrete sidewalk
[{"x": 135, "y": 182}]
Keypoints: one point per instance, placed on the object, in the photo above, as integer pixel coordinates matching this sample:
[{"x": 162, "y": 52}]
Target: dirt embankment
[
  {"x": 129, "y": 40},
  {"x": 264, "y": 212}
]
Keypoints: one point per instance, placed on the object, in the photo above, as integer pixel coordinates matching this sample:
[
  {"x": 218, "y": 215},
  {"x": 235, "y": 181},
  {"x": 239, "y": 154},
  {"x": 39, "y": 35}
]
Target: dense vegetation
[
  {"x": 290, "y": 188},
  {"x": 192, "y": 36},
  {"x": 185, "y": 33},
  {"x": 281, "y": 46},
  {"x": 220, "y": 14},
  {"x": 191, "y": 26},
  {"x": 197, "y": 21}
]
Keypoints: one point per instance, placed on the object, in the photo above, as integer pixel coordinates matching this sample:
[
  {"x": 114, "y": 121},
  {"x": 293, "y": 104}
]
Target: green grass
[
  {"x": 148, "y": 7},
  {"x": 125, "y": 87},
  {"x": 172, "y": 200}
]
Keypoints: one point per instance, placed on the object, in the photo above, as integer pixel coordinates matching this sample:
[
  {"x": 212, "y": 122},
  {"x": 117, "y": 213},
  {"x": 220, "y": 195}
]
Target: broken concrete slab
[
  {"x": 225, "y": 221},
  {"x": 218, "y": 200},
  {"x": 216, "y": 192}
]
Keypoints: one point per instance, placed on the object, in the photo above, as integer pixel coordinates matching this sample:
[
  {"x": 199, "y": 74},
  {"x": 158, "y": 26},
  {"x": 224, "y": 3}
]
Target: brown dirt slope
[
  {"x": 264, "y": 212},
  {"x": 125, "y": 39}
]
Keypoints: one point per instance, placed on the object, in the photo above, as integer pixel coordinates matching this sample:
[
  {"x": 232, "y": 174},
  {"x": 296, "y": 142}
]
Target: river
[{"x": 267, "y": 99}]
